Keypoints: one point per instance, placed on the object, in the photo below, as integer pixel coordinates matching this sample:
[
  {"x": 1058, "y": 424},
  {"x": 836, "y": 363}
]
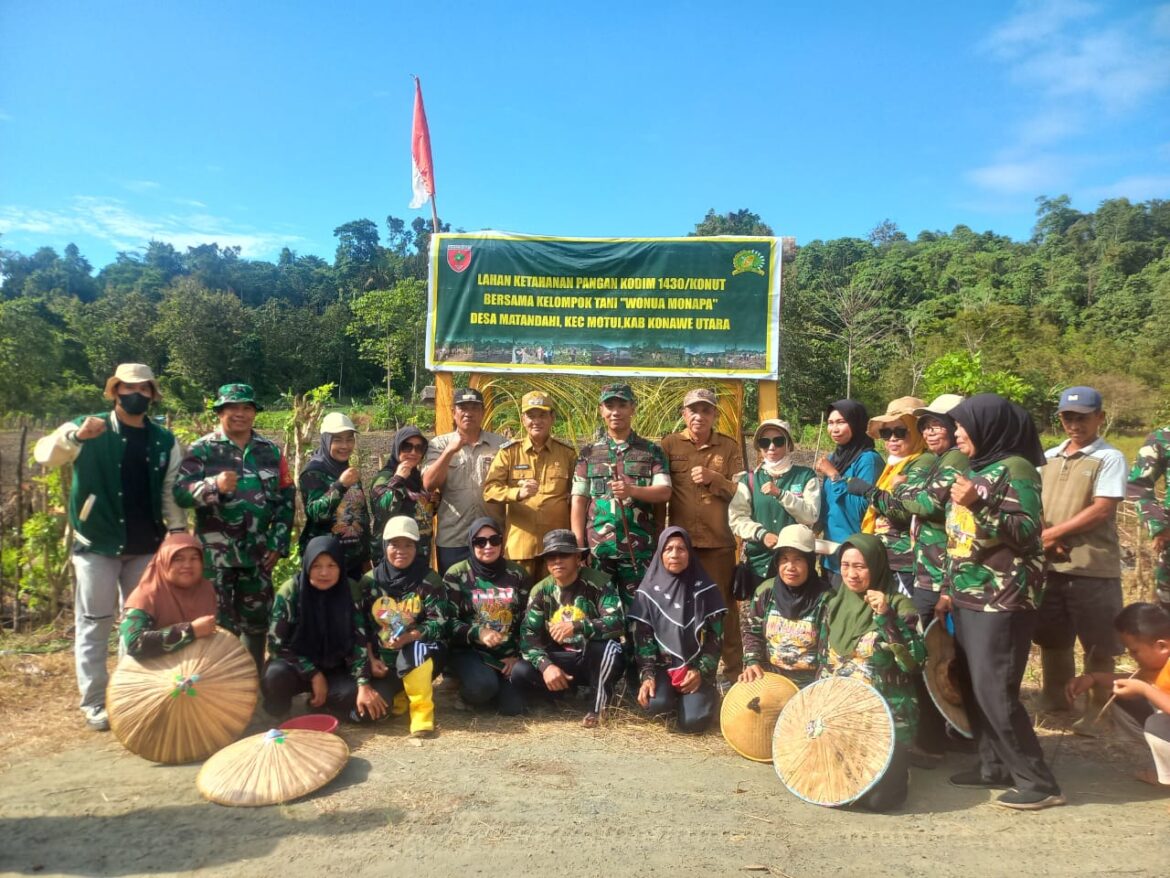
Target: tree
[
  {"x": 390, "y": 326},
  {"x": 739, "y": 222},
  {"x": 209, "y": 336},
  {"x": 854, "y": 316}
]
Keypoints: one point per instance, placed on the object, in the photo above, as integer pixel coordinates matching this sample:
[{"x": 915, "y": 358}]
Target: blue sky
[{"x": 268, "y": 124}]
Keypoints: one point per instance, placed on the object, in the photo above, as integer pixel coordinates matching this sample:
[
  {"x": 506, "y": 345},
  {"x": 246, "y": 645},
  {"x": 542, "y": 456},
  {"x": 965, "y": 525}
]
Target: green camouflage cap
[
  {"x": 236, "y": 393},
  {"x": 618, "y": 391}
]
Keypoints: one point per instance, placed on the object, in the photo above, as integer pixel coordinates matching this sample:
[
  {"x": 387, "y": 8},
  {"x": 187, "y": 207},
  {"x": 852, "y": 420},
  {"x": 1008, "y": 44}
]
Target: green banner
[{"x": 604, "y": 306}]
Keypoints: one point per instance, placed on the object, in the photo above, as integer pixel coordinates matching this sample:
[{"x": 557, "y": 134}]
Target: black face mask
[{"x": 133, "y": 403}]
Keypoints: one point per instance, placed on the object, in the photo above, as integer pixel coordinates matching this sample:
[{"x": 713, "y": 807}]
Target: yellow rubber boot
[
  {"x": 398, "y": 705},
  {"x": 422, "y": 705}
]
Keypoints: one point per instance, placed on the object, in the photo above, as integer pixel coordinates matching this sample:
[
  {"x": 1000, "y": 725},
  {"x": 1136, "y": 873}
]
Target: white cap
[
  {"x": 400, "y": 526},
  {"x": 940, "y": 405},
  {"x": 336, "y": 422},
  {"x": 796, "y": 536}
]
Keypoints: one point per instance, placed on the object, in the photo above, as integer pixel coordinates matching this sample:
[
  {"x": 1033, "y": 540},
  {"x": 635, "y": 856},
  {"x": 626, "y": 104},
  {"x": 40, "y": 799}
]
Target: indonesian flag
[{"x": 422, "y": 168}]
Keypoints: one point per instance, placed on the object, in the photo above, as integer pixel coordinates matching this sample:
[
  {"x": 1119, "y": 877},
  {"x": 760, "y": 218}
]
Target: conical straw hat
[
  {"x": 183, "y": 706},
  {"x": 834, "y": 740},
  {"x": 273, "y": 767},
  {"x": 748, "y": 716},
  {"x": 939, "y": 676}
]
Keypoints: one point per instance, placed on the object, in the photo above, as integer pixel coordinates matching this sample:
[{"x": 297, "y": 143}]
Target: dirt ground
[{"x": 535, "y": 796}]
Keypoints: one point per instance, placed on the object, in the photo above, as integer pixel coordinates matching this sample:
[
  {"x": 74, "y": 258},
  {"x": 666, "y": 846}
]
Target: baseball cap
[
  {"x": 336, "y": 422},
  {"x": 534, "y": 399},
  {"x": 699, "y": 394},
  {"x": 1080, "y": 399},
  {"x": 796, "y": 536},
  {"x": 617, "y": 391},
  {"x": 400, "y": 526},
  {"x": 468, "y": 394},
  {"x": 940, "y": 405}
]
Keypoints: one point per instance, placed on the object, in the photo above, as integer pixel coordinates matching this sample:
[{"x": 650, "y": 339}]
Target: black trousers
[
  {"x": 282, "y": 681},
  {"x": 695, "y": 710},
  {"x": 932, "y": 727},
  {"x": 599, "y": 664},
  {"x": 480, "y": 684},
  {"x": 991, "y": 655},
  {"x": 889, "y": 792}
]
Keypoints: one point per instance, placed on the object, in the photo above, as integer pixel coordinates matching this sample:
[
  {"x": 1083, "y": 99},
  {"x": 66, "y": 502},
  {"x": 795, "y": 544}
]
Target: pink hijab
[{"x": 166, "y": 603}]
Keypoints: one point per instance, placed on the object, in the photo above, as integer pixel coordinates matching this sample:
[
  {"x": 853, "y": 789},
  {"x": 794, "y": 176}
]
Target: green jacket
[{"x": 97, "y": 473}]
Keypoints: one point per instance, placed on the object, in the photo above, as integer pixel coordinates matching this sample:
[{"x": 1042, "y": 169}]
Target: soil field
[{"x": 536, "y": 796}]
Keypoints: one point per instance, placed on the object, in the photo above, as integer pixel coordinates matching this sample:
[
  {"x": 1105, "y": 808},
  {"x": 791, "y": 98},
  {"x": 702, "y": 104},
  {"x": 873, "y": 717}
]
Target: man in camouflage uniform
[
  {"x": 532, "y": 477},
  {"x": 1152, "y": 461},
  {"x": 239, "y": 484},
  {"x": 616, "y": 483}
]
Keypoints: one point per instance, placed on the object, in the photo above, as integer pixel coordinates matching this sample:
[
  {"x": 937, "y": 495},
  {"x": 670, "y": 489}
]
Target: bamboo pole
[{"x": 444, "y": 400}]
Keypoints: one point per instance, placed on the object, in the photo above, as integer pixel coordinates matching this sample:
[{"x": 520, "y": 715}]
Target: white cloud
[
  {"x": 1021, "y": 177},
  {"x": 1035, "y": 21},
  {"x": 109, "y": 220},
  {"x": 141, "y": 186},
  {"x": 1138, "y": 187}
]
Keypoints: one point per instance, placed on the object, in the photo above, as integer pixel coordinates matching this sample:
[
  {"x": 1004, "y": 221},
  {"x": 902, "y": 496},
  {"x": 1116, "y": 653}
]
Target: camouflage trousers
[
  {"x": 243, "y": 598},
  {"x": 1162, "y": 581}
]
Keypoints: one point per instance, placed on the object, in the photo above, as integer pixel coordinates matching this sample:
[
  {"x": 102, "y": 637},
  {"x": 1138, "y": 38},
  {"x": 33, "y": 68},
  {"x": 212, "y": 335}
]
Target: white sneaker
[{"x": 96, "y": 718}]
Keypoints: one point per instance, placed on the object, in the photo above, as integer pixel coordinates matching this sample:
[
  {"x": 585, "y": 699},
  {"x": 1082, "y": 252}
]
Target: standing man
[
  {"x": 120, "y": 508},
  {"x": 532, "y": 477},
  {"x": 703, "y": 464},
  {"x": 1151, "y": 464},
  {"x": 1084, "y": 481},
  {"x": 456, "y": 465},
  {"x": 616, "y": 483},
  {"x": 244, "y": 498}
]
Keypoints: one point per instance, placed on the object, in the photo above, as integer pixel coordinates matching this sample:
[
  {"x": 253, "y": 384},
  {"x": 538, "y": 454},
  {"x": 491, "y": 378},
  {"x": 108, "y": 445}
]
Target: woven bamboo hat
[
  {"x": 834, "y": 740},
  {"x": 272, "y": 767},
  {"x": 748, "y": 716},
  {"x": 183, "y": 706},
  {"x": 939, "y": 676}
]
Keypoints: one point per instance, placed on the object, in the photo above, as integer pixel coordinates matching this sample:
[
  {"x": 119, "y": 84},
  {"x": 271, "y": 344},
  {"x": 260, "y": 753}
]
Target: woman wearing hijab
[
  {"x": 405, "y": 609},
  {"x": 905, "y": 461},
  {"x": 678, "y": 633},
  {"x": 316, "y": 643},
  {"x": 782, "y": 631},
  {"x": 398, "y": 489},
  {"x": 841, "y": 512},
  {"x": 777, "y": 494},
  {"x": 869, "y": 631},
  {"x": 927, "y": 502},
  {"x": 333, "y": 497},
  {"x": 490, "y": 596},
  {"x": 172, "y": 604},
  {"x": 994, "y": 580}
]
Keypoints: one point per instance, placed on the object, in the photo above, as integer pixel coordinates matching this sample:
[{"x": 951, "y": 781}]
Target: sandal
[{"x": 591, "y": 721}]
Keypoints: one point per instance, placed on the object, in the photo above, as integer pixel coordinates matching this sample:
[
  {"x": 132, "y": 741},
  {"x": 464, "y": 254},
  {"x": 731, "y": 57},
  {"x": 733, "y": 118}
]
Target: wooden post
[
  {"x": 769, "y": 400},
  {"x": 19, "y": 522},
  {"x": 444, "y": 400}
]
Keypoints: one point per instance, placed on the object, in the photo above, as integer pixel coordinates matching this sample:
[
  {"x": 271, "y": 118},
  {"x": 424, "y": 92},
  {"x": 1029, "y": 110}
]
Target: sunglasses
[
  {"x": 414, "y": 447},
  {"x": 893, "y": 432},
  {"x": 484, "y": 542},
  {"x": 766, "y": 442}
]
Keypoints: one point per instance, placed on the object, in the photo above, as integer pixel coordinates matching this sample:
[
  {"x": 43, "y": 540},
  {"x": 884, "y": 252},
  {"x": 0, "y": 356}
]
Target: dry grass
[{"x": 38, "y": 704}]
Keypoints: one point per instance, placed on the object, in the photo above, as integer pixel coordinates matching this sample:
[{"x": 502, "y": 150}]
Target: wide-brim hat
[
  {"x": 939, "y": 676},
  {"x": 183, "y": 706},
  {"x": 940, "y": 405},
  {"x": 834, "y": 741},
  {"x": 131, "y": 373},
  {"x": 796, "y": 536},
  {"x": 747, "y": 718},
  {"x": 777, "y": 424},
  {"x": 272, "y": 767},
  {"x": 560, "y": 541},
  {"x": 903, "y": 406},
  {"x": 236, "y": 393}
]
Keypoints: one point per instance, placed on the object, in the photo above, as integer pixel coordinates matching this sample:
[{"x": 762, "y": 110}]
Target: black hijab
[
  {"x": 395, "y": 582},
  {"x": 795, "y": 603},
  {"x": 998, "y": 428},
  {"x": 487, "y": 572},
  {"x": 414, "y": 480},
  {"x": 676, "y": 607},
  {"x": 324, "y": 631},
  {"x": 946, "y": 420},
  {"x": 322, "y": 460},
  {"x": 859, "y": 442}
]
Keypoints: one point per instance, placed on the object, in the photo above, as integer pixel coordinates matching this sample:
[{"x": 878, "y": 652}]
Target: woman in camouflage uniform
[
  {"x": 172, "y": 604},
  {"x": 332, "y": 494},
  {"x": 398, "y": 490},
  {"x": 869, "y": 631}
]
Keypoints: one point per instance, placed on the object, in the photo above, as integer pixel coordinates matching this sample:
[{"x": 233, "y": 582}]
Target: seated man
[{"x": 570, "y": 635}]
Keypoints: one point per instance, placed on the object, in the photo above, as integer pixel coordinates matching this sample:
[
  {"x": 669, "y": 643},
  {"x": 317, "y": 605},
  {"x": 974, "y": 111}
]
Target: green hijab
[{"x": 849, "y": 616}]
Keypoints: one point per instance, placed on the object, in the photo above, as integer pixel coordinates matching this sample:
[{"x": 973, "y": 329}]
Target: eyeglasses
[
  {"x": 893, "y": 432},
  {"x": 484, "y": 542},
  {"x": 414, "y": 448},
  {"x": 932, "y": 426},
  {"x": 766, "y": 442}
]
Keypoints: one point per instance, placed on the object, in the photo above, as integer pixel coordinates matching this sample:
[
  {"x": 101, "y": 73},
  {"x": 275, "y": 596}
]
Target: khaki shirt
[
  {"x": 1071, "y": 483},
  {"x": 702, "y": 509},
  {"x": 461, "y": 496},
  {"x": 548, "y": 509}
]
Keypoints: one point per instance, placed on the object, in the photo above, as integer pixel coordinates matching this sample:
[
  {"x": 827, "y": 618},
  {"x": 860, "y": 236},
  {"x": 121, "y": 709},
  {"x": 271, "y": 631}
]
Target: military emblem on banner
[
  {"x": 748, "y": 260},
  {"x": 458, "y": 257}
]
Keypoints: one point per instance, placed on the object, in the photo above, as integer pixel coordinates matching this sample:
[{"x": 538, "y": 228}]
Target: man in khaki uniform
[
  {"x": 703, "y": 465},
  {"x": 532, "y": 477}
]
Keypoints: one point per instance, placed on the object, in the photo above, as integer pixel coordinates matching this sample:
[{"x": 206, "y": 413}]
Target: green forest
[{"x": 873, "y": 317}]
